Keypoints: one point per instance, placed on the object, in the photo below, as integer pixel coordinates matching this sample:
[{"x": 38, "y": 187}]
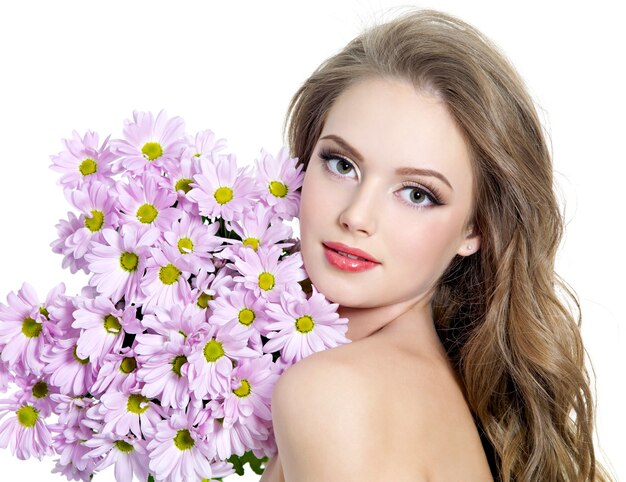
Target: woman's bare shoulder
[{"x": 409, "y": 408}]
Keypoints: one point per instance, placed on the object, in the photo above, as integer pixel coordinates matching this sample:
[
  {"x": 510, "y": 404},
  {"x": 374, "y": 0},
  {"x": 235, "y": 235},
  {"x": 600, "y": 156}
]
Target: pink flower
[
  {"x": 263, "y": 273},
  {"x": 252, "y": 383},
  {"x": 304, "y": 326},
  {"x": 71, "y": 374},
  {"x": 83, "y": 161},
  {"x": 36, "y": 391},
  {"x": 118, "y": 265},
  {"x": 165, "y": 282},
  {"x": 163, "y": 359},
  {"x": 149, "y": 143},
  {"x": 144, "y": 203},
  {"x": 118, "y": 372},
  {"x": 24, "y": 430},
  {"x": 195, "y": 241},
  {"x": 66, "y": 243},
  {"x": 128, "y": 454},
  {"x": 68, "y": 443},
  {"x": 211, "y": 359},
  {"x": 97, "y": 202},
  {"x": 102, "y": 327},
  {"x": 25, "y": 329},
  {"x": 177, "y": 451},
  {"x": 220, "y": 190},
  {"x": 259, "y": 226},
  {"x": 280, "y": 178},
  {"x": 123, "y": 412}
]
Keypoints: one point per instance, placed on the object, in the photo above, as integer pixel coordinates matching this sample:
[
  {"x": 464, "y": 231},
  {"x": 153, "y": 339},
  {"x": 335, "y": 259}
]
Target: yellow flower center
[
  {"x": 253, "y": 242},
  {"x": 137, "y": 404},
  {"x": 243, "y": 390},
  {"x": 147, "y": 213},
  {"x": 124, "y": 446},
  {"x": 169, "y": 274},
  {"x": 95, "y": 222},
  {"x": 88, "y": 166},
  {"x": 152, "y": 150},
  {"x": 177, "y": 364},
  {"x": 40, "y": 389},
  {"x": 183, "y": 185},
  {"x": 82, "y": 361},
  {"x": 30, "y": 328},
  {"x": 266, "y": 281},
  {"x": 203, "y": 300},
  {"x": 213, "y": 351},
  {"x": 183, "y": 440},
  {"x": 129, "y": 261},
  {"x": 112, "y": 324},
  {"x": 128, "y": 365},
  {"x": 278, "y": 189},
  {"x": 223, "y": 195},
  {"x": 246, "y": 316},
  {"x": 27, "y": 416},
  {"x": 185, "y": 245},
  {"x": 304, "y": 324}
]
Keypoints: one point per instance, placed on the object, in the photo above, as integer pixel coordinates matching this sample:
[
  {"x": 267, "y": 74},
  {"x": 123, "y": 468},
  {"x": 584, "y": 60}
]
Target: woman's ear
[{"x": 470, "y": 244}]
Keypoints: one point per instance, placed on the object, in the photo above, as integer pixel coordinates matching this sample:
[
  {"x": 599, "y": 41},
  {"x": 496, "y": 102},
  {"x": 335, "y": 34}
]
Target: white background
[{"x": 232, "y": 68}]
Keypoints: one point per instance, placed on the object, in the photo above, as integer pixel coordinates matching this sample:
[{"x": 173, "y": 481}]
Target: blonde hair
[{"x": 515, "y": 344}]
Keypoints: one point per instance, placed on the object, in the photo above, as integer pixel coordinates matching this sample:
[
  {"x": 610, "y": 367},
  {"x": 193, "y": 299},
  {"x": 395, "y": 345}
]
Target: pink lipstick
[{"x": 347, "y": 258}]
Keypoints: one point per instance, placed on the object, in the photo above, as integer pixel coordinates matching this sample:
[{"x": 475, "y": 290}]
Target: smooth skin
[{"x": 388, "y": 405}]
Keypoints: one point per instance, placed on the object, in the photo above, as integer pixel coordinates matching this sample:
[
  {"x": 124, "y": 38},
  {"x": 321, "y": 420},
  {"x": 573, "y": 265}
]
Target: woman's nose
[{"x": 359, "y": 216}]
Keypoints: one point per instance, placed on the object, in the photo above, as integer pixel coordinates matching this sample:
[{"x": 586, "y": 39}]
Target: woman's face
[{"x": 355, "y": 193}]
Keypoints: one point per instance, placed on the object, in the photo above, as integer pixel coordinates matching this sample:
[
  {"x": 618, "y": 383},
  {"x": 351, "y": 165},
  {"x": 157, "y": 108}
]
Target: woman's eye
[
  {"x": 417, "y": 197},
  {"x": 337, "y": 166}
]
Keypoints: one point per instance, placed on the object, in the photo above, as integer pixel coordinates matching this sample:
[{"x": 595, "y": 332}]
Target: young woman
[{"x": 428, "y": 214}]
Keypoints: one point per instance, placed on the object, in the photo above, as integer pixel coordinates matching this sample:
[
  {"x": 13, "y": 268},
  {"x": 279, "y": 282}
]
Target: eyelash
[{"x": 431, "y": 192}]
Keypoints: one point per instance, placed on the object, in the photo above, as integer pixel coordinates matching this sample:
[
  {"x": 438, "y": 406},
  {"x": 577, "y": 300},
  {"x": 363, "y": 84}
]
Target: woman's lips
[{"x": 345, "y": 263}]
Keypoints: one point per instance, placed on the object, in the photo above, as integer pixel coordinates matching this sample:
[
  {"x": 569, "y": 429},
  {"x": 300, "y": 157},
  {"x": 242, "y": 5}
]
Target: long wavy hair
[{"x": 514, "y": 342}]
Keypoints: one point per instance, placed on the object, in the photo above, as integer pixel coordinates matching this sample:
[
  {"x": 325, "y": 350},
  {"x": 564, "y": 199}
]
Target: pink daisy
[
  {"x": 35, "y": 391},
  {"x": 118, "y": 264},
  {"x": 66, "y": 243},
  {"x": 220, "y": 189},
  {"x": 66, "y": 370},
  {"x": 145, "y": 204},
  {"x": 263, "y": 273},
  {"x": 97, "y": 203},
  {"x": 127, "y": 453},
  {"x": 204, "y": 143},
  {"x": 259, "y": 226},
  {"x": 211, "y": 360},
  {"x": 280, "y": 178},
  {"x": 102, "y": 326},
  {"x": 242, "y": 307},
  {"x": 252, "y": 383},
  {"x": 123, "y": 412},
  {"x": 68, "y": 443},
  {"x": 118, "y": 372},
  {"x": 304, "y": 326},
  {"x": 24, "y": 431},
  {"x": 195, "y": 241},
  {"x": 163, "y": 352},
  {"x": 236, "y": 438},
  {"x": 83, "y": 161},
  {"x": 206, "y": 287},
  {"x": 177, "y": 451},
  {"x": 179, "y": 179},
  {"x": 25, "y": 330},
  {"x": 165, "y": 282},
  {"x": 149, "y": 143}
]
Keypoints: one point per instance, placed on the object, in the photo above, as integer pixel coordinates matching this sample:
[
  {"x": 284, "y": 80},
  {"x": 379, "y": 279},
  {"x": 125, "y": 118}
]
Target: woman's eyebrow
[{"x": 401, "y": 171}]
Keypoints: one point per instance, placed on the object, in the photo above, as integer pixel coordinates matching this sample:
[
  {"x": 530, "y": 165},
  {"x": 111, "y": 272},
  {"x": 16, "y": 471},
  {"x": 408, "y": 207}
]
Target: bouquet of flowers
[{"x": 197, "y": 301}]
